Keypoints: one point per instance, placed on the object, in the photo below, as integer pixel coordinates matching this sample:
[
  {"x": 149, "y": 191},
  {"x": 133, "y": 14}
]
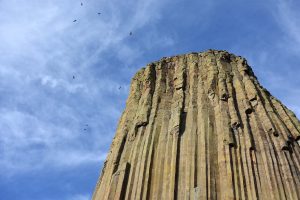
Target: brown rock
[{"x": 199, "y": 126}]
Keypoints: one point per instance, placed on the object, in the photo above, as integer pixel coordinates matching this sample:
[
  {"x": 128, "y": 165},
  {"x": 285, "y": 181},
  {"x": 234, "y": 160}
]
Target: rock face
[{"x": 200, "y": 126}]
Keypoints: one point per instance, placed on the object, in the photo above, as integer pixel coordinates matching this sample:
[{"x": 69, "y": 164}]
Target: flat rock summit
[{"x": 200, "y": 126}]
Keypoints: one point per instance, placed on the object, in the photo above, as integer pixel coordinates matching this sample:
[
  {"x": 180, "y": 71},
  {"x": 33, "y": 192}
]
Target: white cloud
[
  {"x": 67, "y": 85},
  {"x": 29, "y": 143},
  {"x": 287, "y": 15},
  {"x": 45, "y": 109},
  {"x": 80, "y": 197}
]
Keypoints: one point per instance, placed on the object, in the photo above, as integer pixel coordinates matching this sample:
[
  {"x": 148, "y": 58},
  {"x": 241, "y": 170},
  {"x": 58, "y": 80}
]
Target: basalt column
[{"x": 200, "y": 126}]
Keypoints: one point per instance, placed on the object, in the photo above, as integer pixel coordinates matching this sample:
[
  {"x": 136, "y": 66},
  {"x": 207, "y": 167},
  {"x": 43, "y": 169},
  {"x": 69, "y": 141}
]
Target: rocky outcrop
[{"x": 200, "y": 126}]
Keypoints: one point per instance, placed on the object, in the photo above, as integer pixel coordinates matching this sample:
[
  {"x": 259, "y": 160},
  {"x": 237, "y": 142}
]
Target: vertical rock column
[{"x": 200, "y": 126}]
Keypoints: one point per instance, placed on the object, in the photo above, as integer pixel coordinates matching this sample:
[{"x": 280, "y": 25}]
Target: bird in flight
[
  {"x": 99, "y": 13},
  {"x": 130, "y": 33},
  {"x": 81, "y": 4},
  {"x": 120, "y": 87},
  {"x": 73, "y": 77},
  {"x": 75, "y": 20}
]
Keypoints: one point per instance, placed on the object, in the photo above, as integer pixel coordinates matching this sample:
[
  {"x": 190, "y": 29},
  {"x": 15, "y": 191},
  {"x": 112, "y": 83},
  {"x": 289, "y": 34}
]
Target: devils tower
[{"x": 200, "y": 126}]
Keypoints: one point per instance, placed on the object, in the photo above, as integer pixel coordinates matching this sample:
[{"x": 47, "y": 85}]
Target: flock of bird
[
  {"x": 75, "y": 20},
  {"x": 99, "y": 13}
]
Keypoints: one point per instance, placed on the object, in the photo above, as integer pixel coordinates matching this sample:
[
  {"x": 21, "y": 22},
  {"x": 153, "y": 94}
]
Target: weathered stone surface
[{"x": 200, "y": 126}]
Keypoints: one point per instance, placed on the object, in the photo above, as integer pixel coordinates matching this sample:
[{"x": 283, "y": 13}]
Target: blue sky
[{"x": 45, "y": 151}]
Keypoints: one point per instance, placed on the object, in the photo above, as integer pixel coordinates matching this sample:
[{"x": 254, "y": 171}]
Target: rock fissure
[{"x": 200, "y": 126}]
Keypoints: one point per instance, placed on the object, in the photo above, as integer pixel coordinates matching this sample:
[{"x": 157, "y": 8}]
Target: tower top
[{"x": 200, "y": 126}]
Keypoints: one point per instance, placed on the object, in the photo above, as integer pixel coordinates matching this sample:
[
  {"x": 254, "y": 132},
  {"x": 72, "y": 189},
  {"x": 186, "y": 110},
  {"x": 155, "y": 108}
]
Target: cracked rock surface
[{"x": 200, "y": 126}]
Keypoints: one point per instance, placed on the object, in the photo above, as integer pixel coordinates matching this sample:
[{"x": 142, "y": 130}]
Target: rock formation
[{"x": 200, "y": 126}]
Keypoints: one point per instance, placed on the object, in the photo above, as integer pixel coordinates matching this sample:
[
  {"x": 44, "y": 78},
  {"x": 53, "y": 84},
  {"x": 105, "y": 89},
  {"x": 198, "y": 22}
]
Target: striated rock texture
[{"x": 200, "y": 126}]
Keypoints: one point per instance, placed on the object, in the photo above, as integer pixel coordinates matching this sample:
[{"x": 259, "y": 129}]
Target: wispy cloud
[
  {"x": 47, "y": 114},
  {"x": 50, "y": 120},
  {"x": 287, "y": 15},
  {"x": 79, "y": 197}
]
